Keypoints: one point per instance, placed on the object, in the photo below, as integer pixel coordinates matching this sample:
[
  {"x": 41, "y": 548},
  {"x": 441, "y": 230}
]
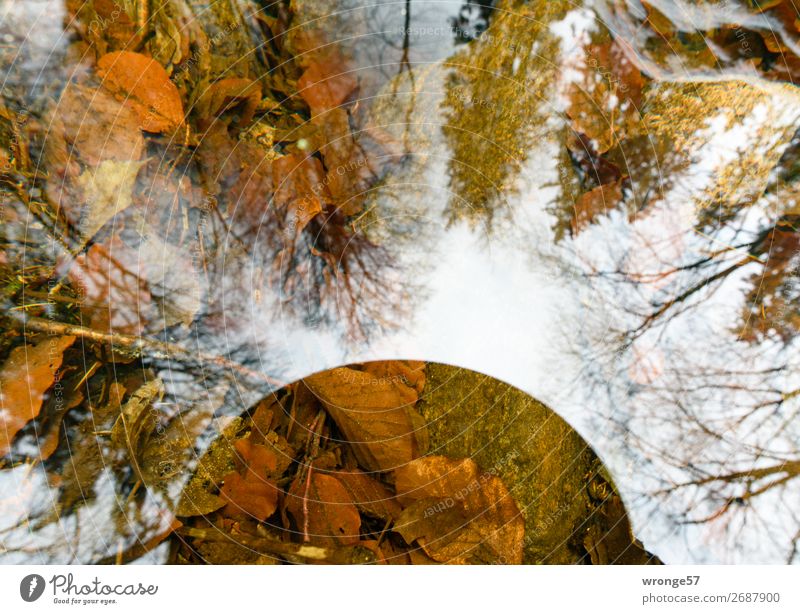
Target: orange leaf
[
  {"x": 146, "y": 86},
  {"x": 26, "y": 375},
  {"x": 260, "y": 460},
  {"x": 323, "y": 510},
  {"x": 410, "y": 372},
  {"x": 248, "y": 497},
  {"x": 324, "y": 85},
  {"x": 376, "y": 415}
]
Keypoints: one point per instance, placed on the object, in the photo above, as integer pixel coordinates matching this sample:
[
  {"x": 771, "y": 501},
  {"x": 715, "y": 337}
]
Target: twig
[
  {"x": 152, "y": 347},
  {"x": 346, "y": 555}
]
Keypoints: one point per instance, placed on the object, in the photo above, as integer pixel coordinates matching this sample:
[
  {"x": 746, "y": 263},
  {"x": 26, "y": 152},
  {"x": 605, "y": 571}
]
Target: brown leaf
[
  {"x": 376, "y": 415},
  {"x": 145, "y": 85},
  {"x": 458, "y": 514},
  {"x": 325, "y": 84},
  {"x": 260, "y": 461},
  {"x": 49, "y": 443},
  {"x": 97, "y": 126},
  {"x": 249, "y": 497},
  {"x": 369, "y": 495},
  {"x": 595, "y": 202},
  {"x": 136, "y": 422},
  {"x": 198, "y": 497},
  {"x": 323, "y": 510},
  {"x": 24, "y": 378}
]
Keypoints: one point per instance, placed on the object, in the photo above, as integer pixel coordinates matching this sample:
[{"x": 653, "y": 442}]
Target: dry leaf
[
  {"x": 145, "y": 85},
  {"x": 410, "y": 372},
  {"x": 457, "y": 513},
  {"x": 260, "y": 461},
  {"x": 49, "y": 443},
  {"x": 323, "y": 510},
  {"x": 376, "y": 415},
  {"x": 26, "y": 375}
]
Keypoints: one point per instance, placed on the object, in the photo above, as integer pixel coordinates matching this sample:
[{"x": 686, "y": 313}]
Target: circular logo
[{"x": 31, "y": 587}]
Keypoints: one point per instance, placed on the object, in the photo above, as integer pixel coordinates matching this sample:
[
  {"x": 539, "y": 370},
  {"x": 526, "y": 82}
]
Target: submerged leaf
[
  {"x": 375, "y": 414},
  {"x": 457, "y": 513},
  {"x": 136, "y": 422},
  {"x": 107, "y": 189},
  {"x": 145, "y": 85},
  {"x": 249, "y": 497},
  {"x": 323, "y": 510},
  {"x": 369, "y": 495},
  {"x": 325, "y": 84},
  {"x": 25, "y": 377}
]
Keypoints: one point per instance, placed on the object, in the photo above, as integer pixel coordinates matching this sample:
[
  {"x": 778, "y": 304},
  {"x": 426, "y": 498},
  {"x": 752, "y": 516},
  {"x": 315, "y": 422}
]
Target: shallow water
[{"x": 659, "y": 318}]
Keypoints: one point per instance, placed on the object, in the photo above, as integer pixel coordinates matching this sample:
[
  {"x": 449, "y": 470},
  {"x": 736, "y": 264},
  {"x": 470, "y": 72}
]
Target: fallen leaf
[
  {"x": 410, "y": 372},
  {"x": 369, "y": 495},
  {"x": 49, "y": 443},
  {"x": 376, "y": 415},
  {"x": 105, "y": 23},
  {"x": 457, "y": 513},
  {"x": 107, "y": 190},
  {"x": 137, "y": 421},
  {"x": 80, "y": 476},
  {"x": 143, "y": 84},
  {"x": 98, "y": 126},
  {"x": 248, "y": 497},
  {"x": 199, "y": 496},
  {"x": 325, "y": 84},
  {"x": 166, "y": 457},
  {"x": 259, "y": 460},
  {"x": 323, "y": 510},
  {"x": 24, "y": 378}
]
